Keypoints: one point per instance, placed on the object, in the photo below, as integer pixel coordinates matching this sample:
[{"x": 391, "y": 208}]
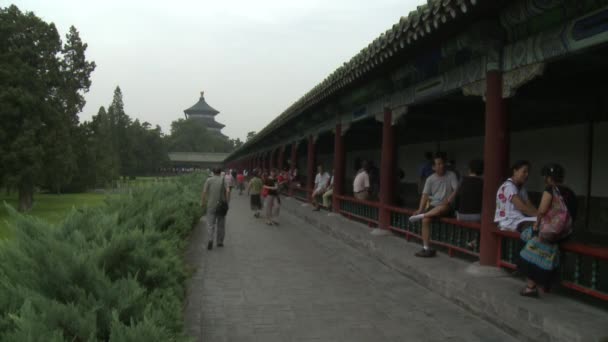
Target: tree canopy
[{"x": 42, "y": 82}]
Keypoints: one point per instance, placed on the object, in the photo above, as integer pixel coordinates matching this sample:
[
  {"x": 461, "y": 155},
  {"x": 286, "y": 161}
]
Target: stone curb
[{"x": 487, "y": 292}]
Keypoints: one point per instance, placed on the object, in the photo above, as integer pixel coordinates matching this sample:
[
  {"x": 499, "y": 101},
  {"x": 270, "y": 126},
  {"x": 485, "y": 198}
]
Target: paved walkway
[{"x": 295, "y": 283}]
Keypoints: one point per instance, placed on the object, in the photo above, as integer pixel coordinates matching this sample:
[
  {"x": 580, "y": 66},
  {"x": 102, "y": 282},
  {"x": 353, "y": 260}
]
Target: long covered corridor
[{"x": 296, "y": 283}]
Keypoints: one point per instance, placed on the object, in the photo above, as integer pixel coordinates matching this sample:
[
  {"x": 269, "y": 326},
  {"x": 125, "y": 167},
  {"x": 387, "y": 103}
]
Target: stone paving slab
[
  {"x": 484, "y": 291},
  {"x": 296, "y": 283}
]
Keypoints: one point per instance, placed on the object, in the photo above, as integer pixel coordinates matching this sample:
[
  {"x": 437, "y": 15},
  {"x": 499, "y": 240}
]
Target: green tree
[
  {"x": 120, "y": 122},
  {"x": 236, "y": 143},
  {"x": 41, "y": 86},
  {"x": 250, "y": 135},
  {"x": 149, "y": 148},
  {"x": 106, "y": 163}
]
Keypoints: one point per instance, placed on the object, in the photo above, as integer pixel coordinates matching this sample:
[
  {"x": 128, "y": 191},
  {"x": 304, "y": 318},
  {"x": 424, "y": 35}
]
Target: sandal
[{"x": 529, "y": 292}]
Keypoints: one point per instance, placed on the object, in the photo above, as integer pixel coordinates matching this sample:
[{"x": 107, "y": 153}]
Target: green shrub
[{"x": 112, "y": 273}]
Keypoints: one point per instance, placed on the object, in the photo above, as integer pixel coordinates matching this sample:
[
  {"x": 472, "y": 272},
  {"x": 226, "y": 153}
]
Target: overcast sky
[{"x": 252, "y": 58}]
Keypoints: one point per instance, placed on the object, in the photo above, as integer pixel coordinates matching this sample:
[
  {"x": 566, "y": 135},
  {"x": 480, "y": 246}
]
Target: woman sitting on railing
[
  {"x": 514, "y": 211},
  {"x": 539, "y": 259}
]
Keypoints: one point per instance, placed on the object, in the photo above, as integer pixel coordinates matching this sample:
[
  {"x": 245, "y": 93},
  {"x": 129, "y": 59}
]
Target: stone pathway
[{"x": 295, "y": 283}]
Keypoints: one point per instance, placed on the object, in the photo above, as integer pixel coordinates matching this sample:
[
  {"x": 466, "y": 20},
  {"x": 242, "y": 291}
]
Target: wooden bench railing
[
  {"x": 580, "y": 263},
  {"x": 364, "y": 211},
  {"x": 300, "y": 193},
  {"x": 449, "y": 233}
]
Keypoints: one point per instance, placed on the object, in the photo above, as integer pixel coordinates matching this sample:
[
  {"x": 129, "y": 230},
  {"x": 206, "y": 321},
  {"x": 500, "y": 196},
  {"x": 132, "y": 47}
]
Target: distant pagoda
[{"x": 204, "y": 112}]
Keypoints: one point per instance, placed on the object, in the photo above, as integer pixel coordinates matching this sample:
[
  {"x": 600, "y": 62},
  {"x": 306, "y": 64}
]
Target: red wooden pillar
[
  {"x": 496, "y": 159},
  {"x": 294, "y": 150},
  {"x": 310, "y": 164},
  {"x": 388, "y": 166},
  {"x": 339, "y": 161}
]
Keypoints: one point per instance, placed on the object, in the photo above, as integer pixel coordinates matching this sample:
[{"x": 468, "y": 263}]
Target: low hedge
[{"x": 112, "y": 273}]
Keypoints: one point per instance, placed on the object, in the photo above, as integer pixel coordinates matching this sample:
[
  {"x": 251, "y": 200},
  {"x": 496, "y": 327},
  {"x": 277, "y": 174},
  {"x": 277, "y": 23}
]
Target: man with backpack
[{"x": 215, "y": 198}]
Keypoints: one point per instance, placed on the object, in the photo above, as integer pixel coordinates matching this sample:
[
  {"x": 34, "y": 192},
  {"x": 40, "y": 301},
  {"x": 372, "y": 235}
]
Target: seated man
[
  {"x": 361, "y": 184},
  {"x": 321, "y": 183},
  {"x": 470, "y": 192},
  {"x": 469, "y": 197},
  {"x": 329, "y": 192},
  {"x": 439, "y": 191}
]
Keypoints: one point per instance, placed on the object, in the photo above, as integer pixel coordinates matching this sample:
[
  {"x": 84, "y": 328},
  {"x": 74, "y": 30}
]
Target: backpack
[
  {"x": 221, "y": 209},
  {"x": 556, "y": 224}
]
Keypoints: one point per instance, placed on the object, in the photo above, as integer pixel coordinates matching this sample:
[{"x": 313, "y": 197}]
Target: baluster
[
  {"x": 577, "y": 268},
  {"x": 594, "y": 273}
]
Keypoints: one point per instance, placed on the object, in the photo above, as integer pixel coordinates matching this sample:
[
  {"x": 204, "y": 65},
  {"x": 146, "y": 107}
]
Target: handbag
[
  {"x": 221, "y": 209},
  {"x": 557, "y": 222}
]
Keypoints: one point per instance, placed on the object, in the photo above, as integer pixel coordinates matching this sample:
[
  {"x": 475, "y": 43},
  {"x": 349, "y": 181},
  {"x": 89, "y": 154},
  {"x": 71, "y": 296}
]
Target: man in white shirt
[
  {"x": 329, "y": 192},
  {"x": 361, "y": 183},
  {"x": 321, "y": 184}
]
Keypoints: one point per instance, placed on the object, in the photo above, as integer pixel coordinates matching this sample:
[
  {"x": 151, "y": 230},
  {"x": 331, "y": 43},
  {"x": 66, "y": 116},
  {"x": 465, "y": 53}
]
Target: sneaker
[
  {"x": 426, "y": 253},
  {"x": 220, "y": 244},
  {"x": 416, "y": 218},
  {"x": 472, "y": 245},
  {"x": 210, "y": 245}
]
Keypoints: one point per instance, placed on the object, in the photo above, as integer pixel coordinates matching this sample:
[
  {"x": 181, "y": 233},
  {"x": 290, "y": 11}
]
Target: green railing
[
  {"x": 300, "y": 193},
  {"x": 364, "y": 211},
  {"x": 581, "y": 265},
  {"x": 454, "y": 235}
]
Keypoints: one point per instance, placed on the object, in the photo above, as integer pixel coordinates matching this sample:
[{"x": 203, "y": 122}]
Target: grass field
[{"x": 49, "y": 207}]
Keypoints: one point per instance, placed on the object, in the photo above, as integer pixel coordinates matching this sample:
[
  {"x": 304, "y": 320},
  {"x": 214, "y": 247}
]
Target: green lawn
[{"x": 51, "y": 208}]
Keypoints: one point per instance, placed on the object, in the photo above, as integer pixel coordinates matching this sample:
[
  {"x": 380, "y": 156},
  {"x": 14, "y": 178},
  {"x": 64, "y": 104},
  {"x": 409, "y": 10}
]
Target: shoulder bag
[{"x": 221, "y": 209}]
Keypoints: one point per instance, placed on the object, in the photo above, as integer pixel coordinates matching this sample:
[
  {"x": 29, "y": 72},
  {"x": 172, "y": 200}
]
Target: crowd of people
[
  {"x": 443, "y": 193},
  {"x": 542, "y": 228}
]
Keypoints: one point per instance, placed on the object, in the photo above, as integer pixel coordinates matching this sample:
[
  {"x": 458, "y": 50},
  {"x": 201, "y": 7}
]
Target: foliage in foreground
[{"x": 110, "y": 273}]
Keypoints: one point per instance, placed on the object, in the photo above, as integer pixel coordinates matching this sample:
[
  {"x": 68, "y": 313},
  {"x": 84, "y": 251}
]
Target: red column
[
  {"x": 387, "y": 169},
  {"x": 294, "y": 150},
  {"x": 339, "y": 161},
  {"x": 496, "y": 159},
  {"x": 310, "y": 164}
]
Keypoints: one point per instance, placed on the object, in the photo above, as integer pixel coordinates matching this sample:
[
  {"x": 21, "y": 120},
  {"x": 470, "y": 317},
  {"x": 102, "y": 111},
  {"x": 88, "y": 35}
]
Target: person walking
[
  {"x": 272, "y": 202},
  {"x": 215, "y": 198},
  {"x": 254, "y": 190}
]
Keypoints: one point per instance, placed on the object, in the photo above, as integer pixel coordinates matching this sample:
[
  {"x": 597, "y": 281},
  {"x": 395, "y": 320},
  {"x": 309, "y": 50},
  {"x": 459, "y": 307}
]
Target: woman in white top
[{"x": 513, "y": 207}]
